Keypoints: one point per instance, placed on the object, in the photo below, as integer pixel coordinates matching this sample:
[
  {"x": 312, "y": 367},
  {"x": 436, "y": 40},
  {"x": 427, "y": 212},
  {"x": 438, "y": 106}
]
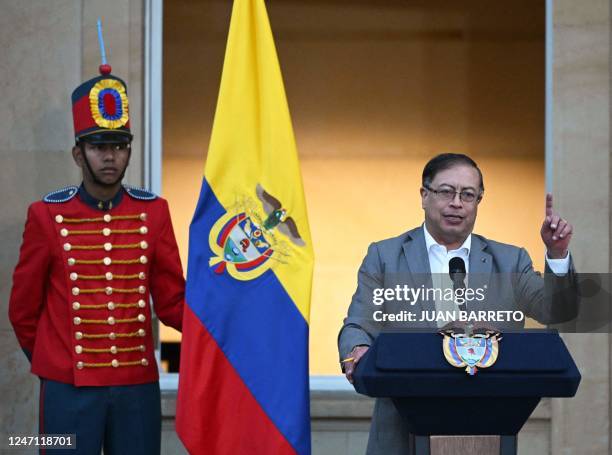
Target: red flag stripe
[{"x": 211, "y": 394}]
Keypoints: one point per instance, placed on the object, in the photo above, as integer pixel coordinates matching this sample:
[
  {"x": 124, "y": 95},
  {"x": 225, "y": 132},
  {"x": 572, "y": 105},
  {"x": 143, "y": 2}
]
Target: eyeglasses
[{"x": 448, "y": 194}]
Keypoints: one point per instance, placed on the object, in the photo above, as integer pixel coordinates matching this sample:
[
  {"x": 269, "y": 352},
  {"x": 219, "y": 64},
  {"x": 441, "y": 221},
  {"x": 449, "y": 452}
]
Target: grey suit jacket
[{"x": 506, "y": 272}]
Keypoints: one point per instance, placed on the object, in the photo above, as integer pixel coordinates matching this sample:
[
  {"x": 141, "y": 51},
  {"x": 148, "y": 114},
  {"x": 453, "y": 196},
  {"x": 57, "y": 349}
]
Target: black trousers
[{"x": 120, "y": 419}]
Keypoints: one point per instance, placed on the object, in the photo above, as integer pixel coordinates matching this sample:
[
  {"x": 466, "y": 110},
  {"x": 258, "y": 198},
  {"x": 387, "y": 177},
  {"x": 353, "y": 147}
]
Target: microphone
[{"x": 456, "y": 270}]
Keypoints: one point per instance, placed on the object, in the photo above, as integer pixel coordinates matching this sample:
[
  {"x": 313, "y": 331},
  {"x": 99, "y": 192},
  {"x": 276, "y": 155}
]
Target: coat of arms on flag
[{"x": 245, "y": 239}]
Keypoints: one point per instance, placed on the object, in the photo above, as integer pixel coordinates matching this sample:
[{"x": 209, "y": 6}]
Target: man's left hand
[{"x": 556, "y": 232}]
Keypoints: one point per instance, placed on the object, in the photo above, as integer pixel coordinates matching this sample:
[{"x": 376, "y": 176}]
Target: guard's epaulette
[
  {"x": 63, "y": 195},
  {"x": 140, "y": 193}
]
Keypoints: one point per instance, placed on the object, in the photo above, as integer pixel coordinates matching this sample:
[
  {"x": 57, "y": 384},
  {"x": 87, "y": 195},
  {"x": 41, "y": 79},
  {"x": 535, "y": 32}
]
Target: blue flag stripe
[{"x": 257, "y": 326}]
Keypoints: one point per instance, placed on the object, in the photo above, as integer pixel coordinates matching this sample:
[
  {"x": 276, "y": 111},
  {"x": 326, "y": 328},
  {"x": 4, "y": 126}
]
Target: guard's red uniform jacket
[{"x": 80, "y": 297}]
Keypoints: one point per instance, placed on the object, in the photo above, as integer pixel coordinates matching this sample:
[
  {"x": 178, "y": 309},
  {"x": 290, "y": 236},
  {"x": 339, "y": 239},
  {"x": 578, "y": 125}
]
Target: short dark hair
[{"x": 446, "y": 161}]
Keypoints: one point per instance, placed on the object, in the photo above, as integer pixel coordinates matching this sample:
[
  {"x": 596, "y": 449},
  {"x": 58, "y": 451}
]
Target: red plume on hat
[{"x": 100, "y": 106}]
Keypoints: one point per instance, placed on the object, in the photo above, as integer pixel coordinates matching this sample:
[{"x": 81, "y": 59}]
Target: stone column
[
  {"x": 581, "y": 186},
  {"x": 48, "y": 48},
  {"x": 39, "y": 68}
]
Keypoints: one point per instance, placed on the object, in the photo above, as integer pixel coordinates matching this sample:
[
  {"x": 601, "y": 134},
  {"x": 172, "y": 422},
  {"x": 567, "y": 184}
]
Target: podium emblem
[{"x": 471, "y": 348}]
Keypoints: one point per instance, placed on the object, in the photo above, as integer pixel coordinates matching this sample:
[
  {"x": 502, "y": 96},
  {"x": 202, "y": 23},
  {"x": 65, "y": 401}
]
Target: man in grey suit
[{"x": 452, "y": 188}]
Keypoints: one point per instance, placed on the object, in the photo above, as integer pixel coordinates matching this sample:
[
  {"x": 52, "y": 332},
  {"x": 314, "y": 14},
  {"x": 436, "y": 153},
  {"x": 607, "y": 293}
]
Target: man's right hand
[{"x": 357, "y": 353}]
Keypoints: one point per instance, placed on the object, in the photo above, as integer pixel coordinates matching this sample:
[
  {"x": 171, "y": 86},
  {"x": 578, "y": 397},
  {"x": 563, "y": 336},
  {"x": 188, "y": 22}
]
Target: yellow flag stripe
[{"x": 253, "y": 126}]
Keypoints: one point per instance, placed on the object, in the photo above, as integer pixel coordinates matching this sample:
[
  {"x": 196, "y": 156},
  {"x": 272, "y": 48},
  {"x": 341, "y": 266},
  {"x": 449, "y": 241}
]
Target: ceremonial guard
[{"x": 92, "y": 258}]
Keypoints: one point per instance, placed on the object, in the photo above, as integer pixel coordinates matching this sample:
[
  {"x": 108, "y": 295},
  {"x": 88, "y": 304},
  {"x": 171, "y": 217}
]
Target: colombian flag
[{"x": 243, "y": 386}]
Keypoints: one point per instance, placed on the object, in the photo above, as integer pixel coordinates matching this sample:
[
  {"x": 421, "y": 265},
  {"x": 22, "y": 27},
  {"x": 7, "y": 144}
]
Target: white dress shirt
[{"x": 439, "y": 258}]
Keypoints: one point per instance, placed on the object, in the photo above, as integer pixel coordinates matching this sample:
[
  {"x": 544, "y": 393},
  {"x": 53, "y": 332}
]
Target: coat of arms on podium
[{"x": 470, "y": 347}]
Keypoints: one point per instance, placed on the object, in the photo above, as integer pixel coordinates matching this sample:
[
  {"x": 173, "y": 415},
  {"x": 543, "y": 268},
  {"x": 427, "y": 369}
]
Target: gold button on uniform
[
  {"x": 64, "y": 232},
  {"x": 141, "y": 332},
  {"x": 108, "y": 218},
  {"x": 107, "y": 261},
  {"x": 76, "y": 305},
  {"x": 67, "y": 247},
  {"x": 142, "y": 275},
  {"x": 143, "y": 216},
  {"x": 144, "y": 362},
  {"x": 75, "y": 291},
  {"x": 106, "y": 232},
  {"x": 144, "y": 245},
  {"x": 143, "y": 259},
  {"x": 80, "y": 365},
  {"x": 115, "y": 363},
  {"x": 110, "y": 305},
  {"x": 142, "y": 348},
  {"x": 108, "y": 290},
  {"x": 142, "y": 318},
  {"x": 77, "y": 320},
  {"x": 109, "y": 276},
  {"x": 111, "y": 320},
  {"x": 143, "y": 230},
  {"x": 78, "y": 349},
  {"x": 112, "y": 335},
  {"x": 142, "y": 289},
  {"x": 73, "y": 276},
  {"x": 71, "y": 261},
  {"x": 142, "y": 303},
  {"x": 78, "y": 335},
  {"x": 59, "y": 219},
  {"x": 108, "y": 246},
  {"x": 113, "y": 349}
]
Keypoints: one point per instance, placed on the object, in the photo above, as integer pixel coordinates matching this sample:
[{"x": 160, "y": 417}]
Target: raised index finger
[{"x": 549, "y": 204}]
